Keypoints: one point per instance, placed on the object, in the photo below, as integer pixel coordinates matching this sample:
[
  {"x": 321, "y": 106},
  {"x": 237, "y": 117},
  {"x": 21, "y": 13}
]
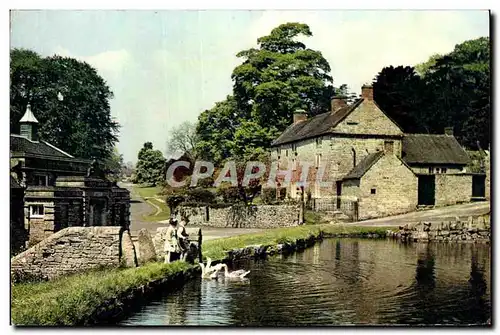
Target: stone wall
[
  {"x": 241, "y": 216},
  {"x": 453, "y": 189},
  {"x": 474, "y": 230},
  {"x": 72, "y": 250},
  {"x": 394, "y": 186}
]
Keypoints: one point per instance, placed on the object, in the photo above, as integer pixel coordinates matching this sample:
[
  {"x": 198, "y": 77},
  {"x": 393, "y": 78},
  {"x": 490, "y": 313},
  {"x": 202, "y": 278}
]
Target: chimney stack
[
  {"x": 448, "y": 131},
  {"x": 367, "y": 92},
  {"x": 338, "y": 102},
  {"x": 299, "y": 115}
]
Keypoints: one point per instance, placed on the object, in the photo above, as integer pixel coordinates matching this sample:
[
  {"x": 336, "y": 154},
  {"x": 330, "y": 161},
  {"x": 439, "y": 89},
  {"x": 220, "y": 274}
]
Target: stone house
[
  {"x": 60, "y": 190},
  {"x": 354, "y": 146}
]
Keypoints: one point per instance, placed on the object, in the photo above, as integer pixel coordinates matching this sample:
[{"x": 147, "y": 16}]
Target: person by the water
[{"x": 172, "y": 248}]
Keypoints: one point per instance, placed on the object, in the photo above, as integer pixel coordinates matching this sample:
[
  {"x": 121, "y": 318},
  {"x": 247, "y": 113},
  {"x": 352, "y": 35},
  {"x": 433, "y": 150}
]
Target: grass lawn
[{"x": 152, "y": 195}]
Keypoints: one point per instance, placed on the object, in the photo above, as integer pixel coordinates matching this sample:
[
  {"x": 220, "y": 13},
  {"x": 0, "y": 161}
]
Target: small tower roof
[{"x": 28, "y": 116}]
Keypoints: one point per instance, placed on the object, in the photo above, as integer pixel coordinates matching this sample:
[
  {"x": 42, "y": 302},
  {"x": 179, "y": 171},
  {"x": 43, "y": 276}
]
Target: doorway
[{"x": 426, "y": 190}]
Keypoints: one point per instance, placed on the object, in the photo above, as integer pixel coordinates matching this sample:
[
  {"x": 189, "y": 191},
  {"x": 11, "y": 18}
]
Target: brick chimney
[
  {"x": 299, "y": 115},
  {"x": 338, "y": 102},
  {"x": 367, "y": 92},
  {"x": 448, "y": 131}
]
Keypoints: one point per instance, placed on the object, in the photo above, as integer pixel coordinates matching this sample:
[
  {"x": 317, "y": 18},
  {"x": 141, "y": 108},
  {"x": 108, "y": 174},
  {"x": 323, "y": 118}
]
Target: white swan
[
  {"x": 238, "y": 274},
  {"x": 208, "y": 270}
]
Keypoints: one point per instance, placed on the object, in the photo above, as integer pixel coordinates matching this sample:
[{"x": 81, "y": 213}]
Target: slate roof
[
  {"x": 14, "y": 183},
  {"x": 315, "y": 126},
  {"x": 20, "y": 144},
  {"x": 360, "y": 169},
  {"x": 433, "y": 149}
]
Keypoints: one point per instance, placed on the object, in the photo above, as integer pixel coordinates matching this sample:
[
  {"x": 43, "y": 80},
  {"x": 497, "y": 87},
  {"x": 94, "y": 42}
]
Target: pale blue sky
[{"x": 166, "y": 67}]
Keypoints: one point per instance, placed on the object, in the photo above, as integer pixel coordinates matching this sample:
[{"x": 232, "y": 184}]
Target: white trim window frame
[{"x": 38, "y": 213}]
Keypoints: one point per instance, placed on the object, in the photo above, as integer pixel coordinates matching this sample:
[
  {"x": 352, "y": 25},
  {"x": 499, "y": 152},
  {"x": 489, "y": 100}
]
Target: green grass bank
[{"x": 77, "y": 299}]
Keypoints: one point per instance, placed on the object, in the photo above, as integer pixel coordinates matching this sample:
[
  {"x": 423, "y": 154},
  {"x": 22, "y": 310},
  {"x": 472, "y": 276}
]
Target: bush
[
  {"x": 229, "y": 194},
  {"x": 199, "y": 195},
  {"x": 175, "y": 199},
  {"x": 268, "y": 195}
]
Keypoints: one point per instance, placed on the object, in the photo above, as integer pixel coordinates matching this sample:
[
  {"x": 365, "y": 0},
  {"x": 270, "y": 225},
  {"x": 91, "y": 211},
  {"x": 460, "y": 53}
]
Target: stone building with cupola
[
  {"x": 51, "y": 189},
  {"x": 364, "y": 158}
]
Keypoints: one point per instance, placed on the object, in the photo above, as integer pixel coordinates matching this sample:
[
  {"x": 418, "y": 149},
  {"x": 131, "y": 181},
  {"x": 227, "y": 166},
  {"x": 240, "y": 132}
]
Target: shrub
[
  {"x": 199, "y": 195},
  {"x": 229, "y": 194},
  {"x": 268, "y": 195}
]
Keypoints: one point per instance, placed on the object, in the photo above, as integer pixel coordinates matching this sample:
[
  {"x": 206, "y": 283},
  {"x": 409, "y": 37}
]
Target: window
[
  {"x": 431, "y": 170},
  {"x": 389, "y": 146},
  {"x": 36, "y": 211},
  {"x": 351, "y": 123},
  {"x": 318, "y": 160},
  {"x": 319, "y": 141},
  {"x": 437, "y": 170},
  {"x": 373, "y": 191},
  {"x": 443, "y": 170},
  {"x": 294, "y": 164},
  {"x": 294, "y": 147},
  {"x": 286, "y": 152},
  {"x": 40, "y": 180},
  {"x": 278, "y": 151}
]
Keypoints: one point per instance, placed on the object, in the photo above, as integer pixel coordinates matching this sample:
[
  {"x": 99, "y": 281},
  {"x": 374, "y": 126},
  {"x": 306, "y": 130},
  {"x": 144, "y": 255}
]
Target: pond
[{"x": 340, "y": 282}]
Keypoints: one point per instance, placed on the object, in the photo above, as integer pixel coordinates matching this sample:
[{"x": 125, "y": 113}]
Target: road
[
  {"x": 139, "y": 207},
  {"x": 432, "y": 215}
]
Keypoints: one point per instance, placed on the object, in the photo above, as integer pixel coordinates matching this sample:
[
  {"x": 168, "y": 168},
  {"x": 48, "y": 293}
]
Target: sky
[{"x": 166, "y": 67}]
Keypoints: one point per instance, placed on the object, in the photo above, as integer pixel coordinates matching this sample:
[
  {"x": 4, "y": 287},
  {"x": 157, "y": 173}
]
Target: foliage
[
  {"x": 199, "y": 195},
  {"x": 69, "y": 99},
  {"x": 276, "y": 78},
  {"x": 175, "y": 199},
  {"x": 397, "y": 90},
  {"x": 128, "y": 169},
  {"x": 268, "y": 195},
  {"x": 150, "y": 168},
  {"x": 183, "y": 139},
  {"x": 229, "y": 194},
  {"x": 454, "y": 91},
  {"x": 423, "y": 69},
  {"x": 113, "y": 166}
]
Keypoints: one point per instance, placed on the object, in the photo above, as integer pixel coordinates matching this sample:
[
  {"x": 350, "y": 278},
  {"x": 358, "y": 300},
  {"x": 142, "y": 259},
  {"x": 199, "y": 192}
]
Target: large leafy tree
[
  {"x": 69, "y": 99},
  {"x": 281, "y": 75},
  {"x": 274, "y": 79}
]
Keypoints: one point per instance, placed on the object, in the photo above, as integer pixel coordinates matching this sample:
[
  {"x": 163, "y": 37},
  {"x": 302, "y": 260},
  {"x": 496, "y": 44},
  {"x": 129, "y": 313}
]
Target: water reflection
[{"x": 343, "y": 281}]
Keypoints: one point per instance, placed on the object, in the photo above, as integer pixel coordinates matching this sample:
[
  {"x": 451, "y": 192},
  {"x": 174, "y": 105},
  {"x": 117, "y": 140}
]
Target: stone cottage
[
  {"x": 60, "y": 190},
  {"x": 368, "y": 159}
]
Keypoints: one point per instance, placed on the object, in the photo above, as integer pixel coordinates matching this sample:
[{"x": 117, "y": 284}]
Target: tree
[
  {"x": 274, "y": 80},
  {"x": 183, "y": 139},
  {"x": 113, "y": 166},
  {"x": 423, "y": 68},
  {"x": 459, "y": 87},
  {"x": 453, "y": 92},
  {"x": 150, "y": 168},
  {"x": 398, "y": 91},
  {"x": 282, "y": 75},
  {"x": 69, "y": 99},
  {"x": 128, "y": 169},
  {"x": 215, "y": 130}
]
